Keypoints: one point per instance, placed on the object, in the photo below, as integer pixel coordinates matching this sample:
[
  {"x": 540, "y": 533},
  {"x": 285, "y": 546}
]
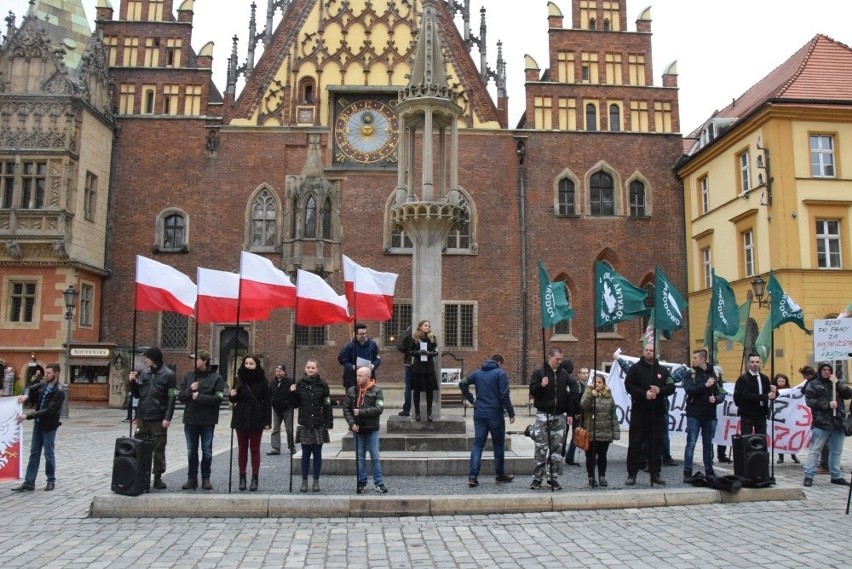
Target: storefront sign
[{"x": 90, "y": 352}]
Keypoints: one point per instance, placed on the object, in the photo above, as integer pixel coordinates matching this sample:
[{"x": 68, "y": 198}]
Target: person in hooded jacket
[
  {"x": 600, "y": 420},
  {"x": 251, "y": 415},
  {"x": 312, "y": 396},
  {"x": 156, "y": 389},
  {"x": 493, "y": 400},
  {"x": 825, "y": 395}
]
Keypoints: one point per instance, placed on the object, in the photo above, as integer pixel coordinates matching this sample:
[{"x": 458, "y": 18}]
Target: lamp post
[{"x": 70, "y": 297}]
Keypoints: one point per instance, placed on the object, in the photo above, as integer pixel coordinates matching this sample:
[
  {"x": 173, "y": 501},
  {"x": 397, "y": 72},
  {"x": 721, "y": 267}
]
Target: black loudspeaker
[
  {"x": 131, "y": 468},
  {"x": 751, "y": 459}
]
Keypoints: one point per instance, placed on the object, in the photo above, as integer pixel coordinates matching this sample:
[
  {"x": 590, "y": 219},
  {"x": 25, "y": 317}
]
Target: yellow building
[{"x": 767, "y": 186}]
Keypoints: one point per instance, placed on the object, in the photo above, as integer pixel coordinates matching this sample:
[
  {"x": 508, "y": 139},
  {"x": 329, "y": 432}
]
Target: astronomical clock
[{"x": 366, "y": 131}]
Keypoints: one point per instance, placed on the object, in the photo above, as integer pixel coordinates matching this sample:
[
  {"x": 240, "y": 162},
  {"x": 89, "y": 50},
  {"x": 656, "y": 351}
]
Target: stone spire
[{"x": 428, "y": 72}]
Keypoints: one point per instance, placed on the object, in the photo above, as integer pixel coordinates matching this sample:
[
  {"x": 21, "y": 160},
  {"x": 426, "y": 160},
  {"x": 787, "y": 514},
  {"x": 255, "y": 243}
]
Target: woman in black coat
[
  {"x": 251, "y": 415},
  {"x": 423, "y": 349},
  {"x": 312, "y": 396}
]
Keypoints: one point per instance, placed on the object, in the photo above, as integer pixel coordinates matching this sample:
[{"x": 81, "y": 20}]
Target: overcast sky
[{"x": 722, "y": 46}]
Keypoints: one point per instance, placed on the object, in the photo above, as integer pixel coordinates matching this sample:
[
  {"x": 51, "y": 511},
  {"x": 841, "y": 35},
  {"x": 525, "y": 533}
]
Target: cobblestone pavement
[{"x": 53, "y": 529}]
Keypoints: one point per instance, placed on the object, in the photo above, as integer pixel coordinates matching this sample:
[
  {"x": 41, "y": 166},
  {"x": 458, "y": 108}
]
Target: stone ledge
[{"x": 342, "y": 506}]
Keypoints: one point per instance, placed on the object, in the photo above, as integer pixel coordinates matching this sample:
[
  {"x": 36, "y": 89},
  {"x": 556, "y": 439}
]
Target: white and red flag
[
  {"x": 316, "y": 302},
  {"x": 263, "y": 286},
  {"x": 160, "y": 288},
  {"x": 219, "y": 299},
  {"x": 369, "y": 292}
]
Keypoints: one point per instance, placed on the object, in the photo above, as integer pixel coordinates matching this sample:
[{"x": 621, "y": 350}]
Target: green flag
[
  {"x": 554, "y": 304},
  {"x": 782, "y": 308},
  {"x": 724, "y": 315},
  {"x": 669, "y": 305},
  {"x": 740, "y": 337},
  {"x": 763, "y": 343},
  {"x": 616, "y": 299}
]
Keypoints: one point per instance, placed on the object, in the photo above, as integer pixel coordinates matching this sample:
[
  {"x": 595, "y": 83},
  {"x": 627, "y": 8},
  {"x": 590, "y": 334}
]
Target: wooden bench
[{"x": 451, "y": 396}]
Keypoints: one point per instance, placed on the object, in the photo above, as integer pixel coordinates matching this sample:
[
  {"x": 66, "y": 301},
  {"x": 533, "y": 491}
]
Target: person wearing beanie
[
  {"x": 202, "y": 392},
  {"x": 825, "y": 395},
  {"x": 282, "y": 410},
  {"x": 808, "y": 373},
  {"x": 155, "y": 387}
]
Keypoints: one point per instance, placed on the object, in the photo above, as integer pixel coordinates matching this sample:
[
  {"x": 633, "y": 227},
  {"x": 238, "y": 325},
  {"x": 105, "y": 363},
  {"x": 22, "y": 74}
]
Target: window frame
[
  {"x": 707, "y": 266},
  {"x": 90, "y": 197},
  {"x": 638, "y": 211},
  {"x": 563, "y": 206},
  {"x": 599, "y": 201},
  {"x": 817, "y": 155},
  {"x": 175, "y": 322},
  {"x": 704, "y": 194},
  {"x": 401, "y": 318},
  {"x": 270, "y": 200},
  {"x": 744, "y": 171},
  {"x": 473, "y": 305},
  {"x": 828, "y": 238},
  {"x": 748, "y": 249},
  {"x": 313, "y": 336},
  {"x": 86, "y": 311},
  {"x": 160, "y": 229}
]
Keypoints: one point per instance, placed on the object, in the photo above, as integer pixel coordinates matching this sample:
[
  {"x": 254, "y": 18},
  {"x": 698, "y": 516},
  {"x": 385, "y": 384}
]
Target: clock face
[{"x": 366, "y": 132}]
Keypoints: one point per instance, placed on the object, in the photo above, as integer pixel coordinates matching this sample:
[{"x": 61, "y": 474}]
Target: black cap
[{"x": 155, "y": 355}]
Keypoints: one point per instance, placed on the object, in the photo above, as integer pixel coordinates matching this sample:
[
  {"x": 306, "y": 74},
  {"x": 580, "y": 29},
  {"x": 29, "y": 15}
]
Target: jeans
[
  {"x": 481, "y": 427},
  {"x": 368, "y": 442},
  {"x": 193, "y": 434},
  {"x": 707, "y": 428},
  {"x": 307, "y": 451},
  {"x": 275, "y": 436},
  {"x": 571, "y": 451},
  {"x": 41, "y": 440},
  {"x": 818, "y": 439},
  {"x": 406, "y": 398}
]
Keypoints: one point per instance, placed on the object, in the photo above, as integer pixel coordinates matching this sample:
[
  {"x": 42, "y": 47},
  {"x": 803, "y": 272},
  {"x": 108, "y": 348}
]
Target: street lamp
[
  {"x": 70, "y": 296},
  {"x": 758, "y": 288}
]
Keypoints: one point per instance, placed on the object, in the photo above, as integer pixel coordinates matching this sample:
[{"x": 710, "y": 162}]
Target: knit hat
[
  {"x": 823, "y": 365},
  {"x": 202, "y": 354},
  {"x": 155, "y": 355},
  {"x": 282, "y": 367}
]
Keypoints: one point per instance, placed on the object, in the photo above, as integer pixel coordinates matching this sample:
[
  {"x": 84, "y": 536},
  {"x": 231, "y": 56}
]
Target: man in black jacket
[
  {"x": 202, "y": 391},
  {"x": 825, "y": 395},
  {"x": 46, "y": 398},
  {"x": 155, "y": 387},
  {"x": 752, "y": 396},
  {"x": 556, "y": 405},
  {"x": 703, "y": 394},
  {"x": 282, "y": 410},
  {"x": 649, "y": 385}
]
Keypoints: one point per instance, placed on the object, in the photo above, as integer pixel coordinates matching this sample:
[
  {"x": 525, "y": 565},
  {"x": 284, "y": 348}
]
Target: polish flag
[
  {"x": 262, "y": 286},
  {"x": 160, "y": 288},
  {"x": 369, "y": 292},
  {"x": 219, "y": 299},
  {"x": 316, "y": 303}
]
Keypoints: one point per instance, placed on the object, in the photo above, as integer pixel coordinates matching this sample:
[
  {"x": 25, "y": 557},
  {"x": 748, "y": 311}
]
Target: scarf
[{"x": 362, "y": 392}]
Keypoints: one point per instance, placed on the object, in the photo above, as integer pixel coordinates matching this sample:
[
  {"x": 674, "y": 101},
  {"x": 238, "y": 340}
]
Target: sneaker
[
  {"x": 808, "y": 482},
  {"x": 554, "y": 484},
  {"x": 631, "y": 481},
  {"x": 535, "y": 484},
  {"x": 404, "y": 414},
  {"x": 380, "y": 488},
  {"x": 840, "y": 481},
  {"x": 505, "y": 477},
  {"x": 472, "y": 482},
  {"x": 362, "y": 487}
]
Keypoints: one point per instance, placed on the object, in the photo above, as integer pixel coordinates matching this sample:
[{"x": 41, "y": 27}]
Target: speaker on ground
[
  {"x": 751, "y": 458},
  {"x": 131, "y": 468}
]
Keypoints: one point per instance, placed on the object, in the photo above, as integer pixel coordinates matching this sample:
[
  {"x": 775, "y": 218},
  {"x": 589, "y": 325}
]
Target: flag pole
[
  {"x": 295, "y": 350},
  {"x": 132, "y": 363},
  {"x": 235, "y": 387}
]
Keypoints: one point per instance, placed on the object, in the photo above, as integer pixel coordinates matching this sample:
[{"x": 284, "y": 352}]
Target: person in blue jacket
[
  {"x": 492, "y": 401},
  {"x": 360, "y": 348}
]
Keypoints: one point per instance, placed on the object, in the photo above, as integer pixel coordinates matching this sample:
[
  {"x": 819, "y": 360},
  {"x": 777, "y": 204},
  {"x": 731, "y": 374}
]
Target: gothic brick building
[{"x": 301, "y": 166}]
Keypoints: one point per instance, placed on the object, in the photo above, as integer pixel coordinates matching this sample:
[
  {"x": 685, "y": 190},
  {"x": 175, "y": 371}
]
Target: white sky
[{"x": 722, "y": 46}]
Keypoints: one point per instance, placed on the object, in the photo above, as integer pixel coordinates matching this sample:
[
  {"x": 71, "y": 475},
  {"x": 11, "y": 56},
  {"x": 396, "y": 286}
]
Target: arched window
[
  {"x": 614, "y": 118},
  {"x": 591, "y": 117},
  {"x": 564, "y": 327},
  {"x": 174, "y": 231},
  {"x": 567, "y": 197},
  {"x": 637, "y": 199},
  {"x": 264, "y": 220},
  {"x": 400, "y": 239},
  {"x": 602, "y": 198},
  {"x": 326, "y": 219},
  {"x": 311, "y": 219}
]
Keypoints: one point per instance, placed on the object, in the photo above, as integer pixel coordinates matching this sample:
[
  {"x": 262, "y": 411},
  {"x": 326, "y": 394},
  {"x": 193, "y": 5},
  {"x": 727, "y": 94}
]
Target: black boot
[
  {"x": 158, "y": 483},
  {"x": 242, "y": 482},
  {"x": 253, "y": 486}
]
